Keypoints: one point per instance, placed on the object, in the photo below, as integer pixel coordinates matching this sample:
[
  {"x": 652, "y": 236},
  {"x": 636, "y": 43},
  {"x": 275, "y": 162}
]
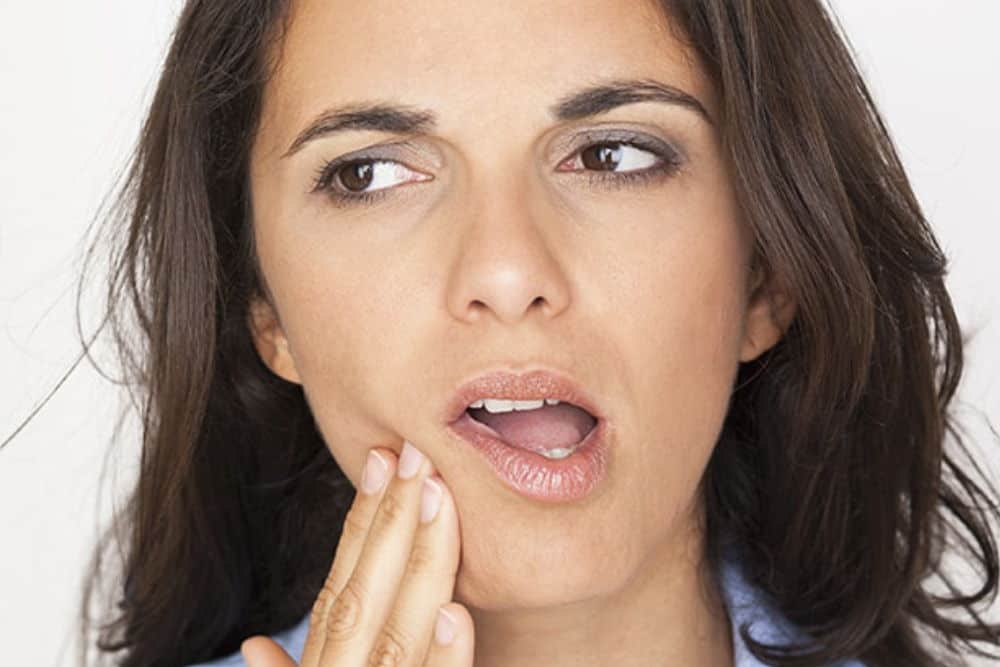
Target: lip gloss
[{"x": 533, "y": 475}]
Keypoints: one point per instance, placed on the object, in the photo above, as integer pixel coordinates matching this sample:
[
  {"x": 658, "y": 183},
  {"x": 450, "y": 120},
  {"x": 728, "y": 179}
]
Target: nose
[{"x": 510, "y": 261}]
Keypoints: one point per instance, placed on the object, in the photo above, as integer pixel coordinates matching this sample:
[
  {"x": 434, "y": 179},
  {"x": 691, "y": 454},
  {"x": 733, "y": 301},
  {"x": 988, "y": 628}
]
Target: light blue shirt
[{"x": 744, "y": 603}]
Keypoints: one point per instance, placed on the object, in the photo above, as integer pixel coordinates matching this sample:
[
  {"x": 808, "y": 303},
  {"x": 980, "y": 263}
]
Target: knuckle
[
  {"x": 323, "y": 600},
  {"x": 424, "y": 559},
  {"x": 392, "y": 510},
  {"x": 354, "y": 527},
  {"x": 334, "y": 579},
  {"x": 390, "y": 648},
  {"x": 344, "y": 616}
]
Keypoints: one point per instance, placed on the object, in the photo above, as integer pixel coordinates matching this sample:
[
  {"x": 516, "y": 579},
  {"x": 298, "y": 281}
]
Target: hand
[{"x": 390, "y": 575}]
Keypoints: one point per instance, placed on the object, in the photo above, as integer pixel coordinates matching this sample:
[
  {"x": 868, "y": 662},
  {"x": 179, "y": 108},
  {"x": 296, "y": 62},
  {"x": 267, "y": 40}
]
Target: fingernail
[
  {"x": 430, "y": 500},
  {"x": 409, "y": 460},
  {"x": 444, "y": 629},
  {"x": 375, "y": 473}
]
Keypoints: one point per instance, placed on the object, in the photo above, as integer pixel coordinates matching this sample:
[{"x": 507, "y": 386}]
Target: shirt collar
[{"x": 747, "y": 604}]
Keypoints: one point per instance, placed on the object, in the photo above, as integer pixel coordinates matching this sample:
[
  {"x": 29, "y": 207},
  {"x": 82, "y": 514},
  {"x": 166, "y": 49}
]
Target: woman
[{"x": 357, "y": 231}]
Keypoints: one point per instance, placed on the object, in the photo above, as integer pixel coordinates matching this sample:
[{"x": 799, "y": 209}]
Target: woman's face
[{"x": 494, "y": 244}]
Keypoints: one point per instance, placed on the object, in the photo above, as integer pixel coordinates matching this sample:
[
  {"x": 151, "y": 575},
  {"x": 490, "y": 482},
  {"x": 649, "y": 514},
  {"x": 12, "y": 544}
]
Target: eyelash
[{"x": 670, "y": 163}]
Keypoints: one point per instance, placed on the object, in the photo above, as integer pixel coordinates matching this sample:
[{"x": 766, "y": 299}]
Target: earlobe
[
  {"x": 769, "y": 313},
  {"x": 270, "y": 341}
]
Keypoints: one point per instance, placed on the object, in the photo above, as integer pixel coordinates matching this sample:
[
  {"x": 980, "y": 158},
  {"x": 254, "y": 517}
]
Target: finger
[
  {"x": 359, "y": 612},
  {"x": 359, "y": 519},
  {"x": 260, "y": 651},
  {"x": 454, "y": 638},
  {"x": 428, "y": 581},
  {"x": 352, "y": 539}
]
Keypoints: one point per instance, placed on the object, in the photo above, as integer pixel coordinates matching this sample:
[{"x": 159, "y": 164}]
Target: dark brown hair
[{"x": 836, "y": 469}]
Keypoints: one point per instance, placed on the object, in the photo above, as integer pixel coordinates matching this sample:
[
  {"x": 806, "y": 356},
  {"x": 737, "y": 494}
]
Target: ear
[
  {"x": 270, "y": 341},
  {"x": 769, "y": 313}
]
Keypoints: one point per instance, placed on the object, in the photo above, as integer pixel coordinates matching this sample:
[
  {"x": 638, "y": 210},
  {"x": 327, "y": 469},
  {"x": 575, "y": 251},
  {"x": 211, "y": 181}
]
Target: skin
[{"x": 484, "y": 256}]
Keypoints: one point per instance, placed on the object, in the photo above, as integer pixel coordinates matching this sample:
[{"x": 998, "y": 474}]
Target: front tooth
[
  {"x": 557, "y": 453},
  {"x": 501, "y": 405},
  {"x": 494, "y": 405},
  {"x": 552, "y": 401}
]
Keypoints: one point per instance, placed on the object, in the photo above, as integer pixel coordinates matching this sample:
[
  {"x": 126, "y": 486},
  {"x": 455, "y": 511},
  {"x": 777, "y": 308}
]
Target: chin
[{"x": 505, "y": 580}]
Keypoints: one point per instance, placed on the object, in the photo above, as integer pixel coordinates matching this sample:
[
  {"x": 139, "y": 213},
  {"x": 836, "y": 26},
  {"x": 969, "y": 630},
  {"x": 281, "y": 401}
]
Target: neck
[{"x": 670, "y": 613}]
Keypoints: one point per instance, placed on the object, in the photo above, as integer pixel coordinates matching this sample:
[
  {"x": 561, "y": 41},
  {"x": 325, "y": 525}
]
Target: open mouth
[
  {"x": 541, "y": 410},
  {"x": 544, "y": 449},
  {"x": 551, "y": 429}
]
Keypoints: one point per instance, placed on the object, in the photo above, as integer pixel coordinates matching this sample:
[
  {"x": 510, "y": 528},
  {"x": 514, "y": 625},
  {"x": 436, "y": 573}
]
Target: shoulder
[
  {"x": 749, "y": 605},
  {"x": 292, "y": 640}
]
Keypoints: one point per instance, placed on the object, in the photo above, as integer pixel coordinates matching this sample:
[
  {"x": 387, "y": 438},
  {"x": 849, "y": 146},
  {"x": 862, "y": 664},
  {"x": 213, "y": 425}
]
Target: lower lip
[{"x": 533, "y": 475}]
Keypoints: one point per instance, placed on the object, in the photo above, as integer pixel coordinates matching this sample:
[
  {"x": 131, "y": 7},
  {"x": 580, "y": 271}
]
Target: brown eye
[
  {"x": 609, "y": 156},
  {"x": 602, "y": 157},
  {"x": 356, "y": 176},
  {"x": 616, "y": 163},
  {"x": 363, "y": 179}
]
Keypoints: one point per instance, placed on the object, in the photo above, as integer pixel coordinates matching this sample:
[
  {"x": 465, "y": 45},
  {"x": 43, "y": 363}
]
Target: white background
[{"x": 75, "y": 79}]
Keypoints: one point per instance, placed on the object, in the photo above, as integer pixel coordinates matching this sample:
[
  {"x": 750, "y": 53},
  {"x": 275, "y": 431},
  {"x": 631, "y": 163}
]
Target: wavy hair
[{"x": 838, "y": 467}]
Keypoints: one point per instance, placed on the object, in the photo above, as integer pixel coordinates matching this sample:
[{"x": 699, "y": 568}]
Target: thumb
[{"x": 261, "y": 651}]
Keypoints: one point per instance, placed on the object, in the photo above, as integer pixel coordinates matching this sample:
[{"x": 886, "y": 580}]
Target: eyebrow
[{"x": 584, "y": 103}]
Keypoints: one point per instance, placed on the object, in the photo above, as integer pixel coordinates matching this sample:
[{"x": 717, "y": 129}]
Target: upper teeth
[{"x": 494, "y": 405}]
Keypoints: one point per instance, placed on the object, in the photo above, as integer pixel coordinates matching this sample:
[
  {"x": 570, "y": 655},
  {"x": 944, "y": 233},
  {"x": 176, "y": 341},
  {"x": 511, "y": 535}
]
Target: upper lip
[{"x": 530, "y": 385}]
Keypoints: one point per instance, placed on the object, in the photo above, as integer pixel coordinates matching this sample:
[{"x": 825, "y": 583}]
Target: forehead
[{"x": 480, "y": 64}]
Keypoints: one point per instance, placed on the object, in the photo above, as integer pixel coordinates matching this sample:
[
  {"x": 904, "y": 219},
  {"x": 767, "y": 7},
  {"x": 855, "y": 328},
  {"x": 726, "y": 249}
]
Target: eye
[
  {"x": 363, "y": 179},
  {"x": 612, "y": 156},
  {"x": 620, "y": 162}
]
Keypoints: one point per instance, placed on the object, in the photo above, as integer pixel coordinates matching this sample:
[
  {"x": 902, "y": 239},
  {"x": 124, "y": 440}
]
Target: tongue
[{"x": 548, "y": 427}]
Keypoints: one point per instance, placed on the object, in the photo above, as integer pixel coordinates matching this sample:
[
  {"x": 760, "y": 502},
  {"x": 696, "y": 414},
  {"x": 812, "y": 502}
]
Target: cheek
[
  {"x": 342, "y": 312},
  {"x": 680, "y": 325}
]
